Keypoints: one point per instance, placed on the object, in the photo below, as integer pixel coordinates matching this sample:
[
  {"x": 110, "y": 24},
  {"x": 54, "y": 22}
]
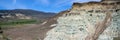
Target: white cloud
[
  {"x": 81, "y": 1},
  {"x": 62, "y": 3},
  {"x": 69, "y": 2},
  {"x": 14, "y": 1},
  {"x": 46, "y": 2}
]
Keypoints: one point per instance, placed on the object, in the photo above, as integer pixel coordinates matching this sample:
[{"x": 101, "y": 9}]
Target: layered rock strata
[{"x": 88, "y": 21}]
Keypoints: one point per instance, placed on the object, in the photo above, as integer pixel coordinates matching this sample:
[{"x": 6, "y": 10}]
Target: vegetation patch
[{"x": 17, "y": 22}]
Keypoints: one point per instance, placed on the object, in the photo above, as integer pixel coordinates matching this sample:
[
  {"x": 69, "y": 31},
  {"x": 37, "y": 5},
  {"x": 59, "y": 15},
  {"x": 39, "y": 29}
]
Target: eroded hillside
[{"x": 84, "y": 21}]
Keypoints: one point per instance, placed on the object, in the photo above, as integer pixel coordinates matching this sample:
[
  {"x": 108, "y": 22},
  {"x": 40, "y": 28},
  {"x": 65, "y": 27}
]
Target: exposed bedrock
[{"x": 88, "y": 21}]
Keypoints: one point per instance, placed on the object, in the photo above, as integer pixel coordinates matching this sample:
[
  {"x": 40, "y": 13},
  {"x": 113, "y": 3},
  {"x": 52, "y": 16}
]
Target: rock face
[
  {"x": 110, "y": 0},
  {"x": 88, "y": 21}
]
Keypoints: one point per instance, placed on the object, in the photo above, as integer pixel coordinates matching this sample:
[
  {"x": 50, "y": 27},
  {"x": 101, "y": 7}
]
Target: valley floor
[{"x": 29, "y": 32}]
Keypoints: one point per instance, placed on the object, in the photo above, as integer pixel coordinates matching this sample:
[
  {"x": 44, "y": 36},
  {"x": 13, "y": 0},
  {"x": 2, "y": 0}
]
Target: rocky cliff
[{"x": 87, "y": 21}]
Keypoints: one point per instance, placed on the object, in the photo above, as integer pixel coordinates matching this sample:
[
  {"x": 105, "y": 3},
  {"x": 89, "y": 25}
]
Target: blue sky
[{"x": 40, "y": 5}]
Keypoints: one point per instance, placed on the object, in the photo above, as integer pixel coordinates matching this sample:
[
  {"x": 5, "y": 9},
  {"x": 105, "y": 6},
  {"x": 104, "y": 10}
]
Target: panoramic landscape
[{"x": 59, "y": 19}]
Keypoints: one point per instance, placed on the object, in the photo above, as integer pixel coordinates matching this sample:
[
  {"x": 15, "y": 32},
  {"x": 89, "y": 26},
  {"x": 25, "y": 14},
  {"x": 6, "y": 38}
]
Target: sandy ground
[{"x": 27, "y": 32}]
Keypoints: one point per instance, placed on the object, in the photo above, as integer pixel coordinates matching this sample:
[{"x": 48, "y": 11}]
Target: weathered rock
[
  {"x": 88, "y": 21},
  {"x": 110, "y": 0}
]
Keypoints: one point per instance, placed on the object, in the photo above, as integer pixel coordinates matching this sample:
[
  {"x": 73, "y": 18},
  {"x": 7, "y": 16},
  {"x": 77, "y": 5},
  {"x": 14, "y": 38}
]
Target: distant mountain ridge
[{"x": 28, "y": 12}]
